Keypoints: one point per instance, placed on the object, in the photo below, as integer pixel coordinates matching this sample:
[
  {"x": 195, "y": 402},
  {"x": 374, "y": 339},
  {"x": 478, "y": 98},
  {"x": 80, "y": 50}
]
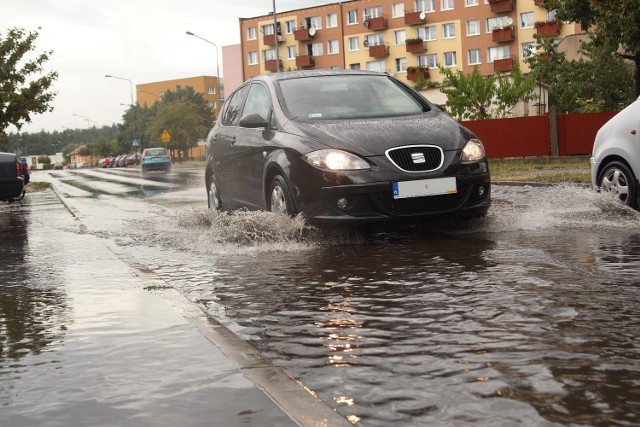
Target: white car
[{"x": 615, "y": 161}]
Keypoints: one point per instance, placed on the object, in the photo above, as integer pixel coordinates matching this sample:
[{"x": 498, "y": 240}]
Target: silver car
[{"x": 615, "y": 161}]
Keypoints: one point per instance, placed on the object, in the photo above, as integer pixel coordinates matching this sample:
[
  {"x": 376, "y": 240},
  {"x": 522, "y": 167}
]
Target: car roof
[{"x": 286, "y": 75}]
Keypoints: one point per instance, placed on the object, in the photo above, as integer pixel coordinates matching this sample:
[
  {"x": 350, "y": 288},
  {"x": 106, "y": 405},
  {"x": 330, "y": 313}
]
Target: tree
[
  {"x": 21, "y": 91},
  {"x": 477, "y": 97},
  {"x": 614, "y": 24}
]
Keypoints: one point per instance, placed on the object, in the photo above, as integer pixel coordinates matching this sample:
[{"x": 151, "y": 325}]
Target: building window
[
  {"x": 212, "y": 105},
  {"x": 468, "y": 3},
  {"x": 551, "y": 15},
  {"x": 500, "y": 52},
  {"x": 430, "y": 60},
  {"x": 315, "y": 22},
  {"x": 316, "y": 49},
  {"x": 397, "y": 10},
  {"x": 289, "y": 27},
  {"x": 399, "y": 37},
  {"x": 372, "y": 12},
  {"x": 499, "y": 22},
  {"x": 446, "y": 4},
  {"x": 474, "y": 56},
  {"x": 267, "y": 30},
  {"x": 526, "y": 20},
  {"x": 268, "y": 54},
  {"x": 376, "y": 66},
  {"x": 252, "y": 58},
  {"x": 292, "y": 52},
  {"x": 354, "y": 44},
  {"x": 401, "y": 65},
  {"x": 473, "y": 27},
  {"x": 528, "y": 50},
  {"x": 354, "y": 66},
  {"x": 352, "y": 17},
  {"x": 424, "y": 5},
  {"x": 211, "y": 90},
  {"x": 448, "y": 31},
  {"x": 251, "y": 33},
  {"x": 374, "y": 39},
  {"x": 333, "y": 47},
  {"x": 428, "y": 33},
  {"x": 450, "y": 59},
  {"x": 332, "y": 20}
]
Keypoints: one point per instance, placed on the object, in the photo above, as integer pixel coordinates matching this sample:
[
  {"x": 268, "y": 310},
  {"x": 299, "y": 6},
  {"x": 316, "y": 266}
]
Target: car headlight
[
  {"x": 473, "y": 151},
  {"x": 335, "y": 160}
]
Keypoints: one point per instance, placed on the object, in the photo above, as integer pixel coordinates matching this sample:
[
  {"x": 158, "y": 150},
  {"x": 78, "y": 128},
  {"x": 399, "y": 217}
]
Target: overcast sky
[{"x": 141, "y": 40}]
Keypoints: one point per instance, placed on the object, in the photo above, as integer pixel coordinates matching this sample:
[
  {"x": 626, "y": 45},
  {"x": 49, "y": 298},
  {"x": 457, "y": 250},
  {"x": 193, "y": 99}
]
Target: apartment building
[
  {"x": 212, "y": 90},
  {"x": 401, "y": 37}
]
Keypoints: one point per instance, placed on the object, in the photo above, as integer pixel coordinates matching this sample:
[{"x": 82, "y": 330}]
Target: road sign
[
  {"x": 165, "y": 136},
  {"x": 135, "y": 143}
]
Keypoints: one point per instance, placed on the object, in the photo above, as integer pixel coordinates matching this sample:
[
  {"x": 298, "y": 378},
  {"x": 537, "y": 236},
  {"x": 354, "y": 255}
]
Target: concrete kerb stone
[{"x": 299, "y": 402}]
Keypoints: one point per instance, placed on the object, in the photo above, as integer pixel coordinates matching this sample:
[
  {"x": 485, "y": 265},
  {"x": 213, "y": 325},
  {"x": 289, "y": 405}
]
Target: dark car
[
  {"x": 11, "y": 178},
  {"x": 155, "y": 159},
  {"x": 343, "y": 147}
]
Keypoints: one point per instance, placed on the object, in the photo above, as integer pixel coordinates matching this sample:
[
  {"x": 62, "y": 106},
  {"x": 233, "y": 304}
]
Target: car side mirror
[{"x": 252, "y": 120}]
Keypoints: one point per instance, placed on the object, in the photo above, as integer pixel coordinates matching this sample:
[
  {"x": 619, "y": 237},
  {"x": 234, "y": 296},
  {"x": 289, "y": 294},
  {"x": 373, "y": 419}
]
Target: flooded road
[{"x": 529, "y": 316}]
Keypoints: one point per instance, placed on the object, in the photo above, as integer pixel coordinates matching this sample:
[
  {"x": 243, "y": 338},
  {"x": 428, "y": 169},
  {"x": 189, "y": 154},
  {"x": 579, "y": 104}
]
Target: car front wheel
[
  {"x": 280, "y": 200},
  {"x": 213, "y": 198},
  {"x": 618, "y": 180}
]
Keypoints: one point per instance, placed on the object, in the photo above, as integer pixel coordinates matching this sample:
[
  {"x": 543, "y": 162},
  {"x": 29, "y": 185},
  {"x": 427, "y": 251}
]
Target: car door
[
  {"x": 250, "y": 147},
  {"x": 222, "y": 148}
]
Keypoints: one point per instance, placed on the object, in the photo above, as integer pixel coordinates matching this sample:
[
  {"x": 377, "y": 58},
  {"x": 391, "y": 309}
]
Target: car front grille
[
  {"x": 424, "y": 205},
  {"x": 416, "y": 158}
]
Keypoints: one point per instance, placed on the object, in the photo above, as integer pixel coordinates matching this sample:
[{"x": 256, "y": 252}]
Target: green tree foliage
[
  {"x": 477, "y": 97},
  {"x": 186, "y": 116},
  {"x": 55, "y": 142},
  {"x": 615, "y": 24},
  {"x": 22, "y": 92},
  {"x": 598, "y": 81}
]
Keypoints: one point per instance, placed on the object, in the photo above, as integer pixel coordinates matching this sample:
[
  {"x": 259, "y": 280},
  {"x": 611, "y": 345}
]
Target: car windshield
[
  {"x": 155, "y": 152},
  {"x": 347, "y": 97}
]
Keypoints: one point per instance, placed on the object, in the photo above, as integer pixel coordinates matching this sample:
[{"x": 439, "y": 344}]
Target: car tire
[
  {"x": 280, "y": 199},
  {"x": 213, "y": 197},
  {"x": 617, "y": 179}
]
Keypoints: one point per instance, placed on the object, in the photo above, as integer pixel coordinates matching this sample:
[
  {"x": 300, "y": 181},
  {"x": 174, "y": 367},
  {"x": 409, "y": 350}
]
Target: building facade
[
  {"x": 149, "y": 93},
  {"x": 404, "y": 38}
]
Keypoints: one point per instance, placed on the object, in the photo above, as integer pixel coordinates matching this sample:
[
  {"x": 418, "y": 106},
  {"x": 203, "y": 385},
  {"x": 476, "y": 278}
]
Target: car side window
[
  {"x": 258, "y": 101},
  {"x": 232, "y": 112}
]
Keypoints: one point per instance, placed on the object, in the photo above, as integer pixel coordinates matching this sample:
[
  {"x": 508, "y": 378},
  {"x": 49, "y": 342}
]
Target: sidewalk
[{"x": 93, "y": 339}]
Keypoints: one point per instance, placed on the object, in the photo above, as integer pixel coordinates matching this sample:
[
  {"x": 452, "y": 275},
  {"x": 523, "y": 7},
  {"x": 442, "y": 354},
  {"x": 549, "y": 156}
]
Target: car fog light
[
  {"x": 342, "y": 203},
  {"x": 481, "y": 191}
]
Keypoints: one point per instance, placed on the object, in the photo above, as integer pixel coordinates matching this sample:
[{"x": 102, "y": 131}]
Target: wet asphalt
[{"x": 119, "y": 347}]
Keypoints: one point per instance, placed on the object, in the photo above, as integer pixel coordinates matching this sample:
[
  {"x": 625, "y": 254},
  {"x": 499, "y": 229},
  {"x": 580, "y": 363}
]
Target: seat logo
[{"x": 418, "y": 158}]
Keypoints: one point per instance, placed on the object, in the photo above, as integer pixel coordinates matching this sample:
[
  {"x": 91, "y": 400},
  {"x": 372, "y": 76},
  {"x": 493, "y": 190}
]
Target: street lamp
[
  {"x": 217, "y": 60},
  {"x": 135, "y": 143},
  {"x": 88, "y": 144}
]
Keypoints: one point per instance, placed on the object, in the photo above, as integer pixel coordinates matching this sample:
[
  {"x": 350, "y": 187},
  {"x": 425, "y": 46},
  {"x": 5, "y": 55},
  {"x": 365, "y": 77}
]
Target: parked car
[
  {"x": 104, "y": 163},
  {"x": 343, "y": 146},
  {"x": 155, "y": 159},
  {"x": 615, "y": 161},
  {"x": 11, "y": 178},
  {"x": 58, "y": 165},
  {"x": 132, "y": 159},
  {"x": 25, "y": 170}
]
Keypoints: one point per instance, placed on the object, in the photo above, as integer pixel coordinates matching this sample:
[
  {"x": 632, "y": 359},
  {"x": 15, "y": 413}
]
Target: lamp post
[
  {"x": 88, "y": 144},
  {"x": 217, "y": 61},
  {"x": 135, "y": 142}
]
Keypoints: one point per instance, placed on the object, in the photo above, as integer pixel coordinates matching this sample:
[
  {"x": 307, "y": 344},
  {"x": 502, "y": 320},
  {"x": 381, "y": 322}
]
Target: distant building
[
  {"x": 149, "y": 93},
  {"x": 401, "y": 38}
]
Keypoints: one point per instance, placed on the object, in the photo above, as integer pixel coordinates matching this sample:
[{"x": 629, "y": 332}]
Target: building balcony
[
  {"x": 505, "y": 34},
  {"x": 416, "y": 73},
  {"x": 548, "y": 28},
  {"x": 305, "y": 61},
  {"x": 375, "y": 24},
  {"x": 538, "y": 3},
  {"x": 304, "y": 34},
  {"x": 500, "y": 6},
  {"x": 271, "y": 65},
  {"x": 379, "y": 50},
  {"x": 413, "y": 18},
  {"x": 415, "y": 46},
  {"x": 269, "y": 39},
  {"x": 503, "y": 65}
]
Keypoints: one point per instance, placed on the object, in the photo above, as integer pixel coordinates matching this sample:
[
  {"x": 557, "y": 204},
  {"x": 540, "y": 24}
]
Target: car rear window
[
  {"x": 155, "y": 152},
  {"x": 347, "y": 97}
]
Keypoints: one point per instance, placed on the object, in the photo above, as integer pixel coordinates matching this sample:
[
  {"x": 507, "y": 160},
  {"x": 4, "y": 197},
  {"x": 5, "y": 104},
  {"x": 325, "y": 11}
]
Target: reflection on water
[{"x": 526, "y": 317}]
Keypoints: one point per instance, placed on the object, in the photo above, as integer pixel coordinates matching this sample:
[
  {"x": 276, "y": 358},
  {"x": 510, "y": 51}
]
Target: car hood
[{"x": 372, "y": 137}]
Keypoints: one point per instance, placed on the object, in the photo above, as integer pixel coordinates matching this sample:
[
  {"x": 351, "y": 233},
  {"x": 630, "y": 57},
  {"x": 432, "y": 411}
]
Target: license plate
[{"x": 424, "y": 187}]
